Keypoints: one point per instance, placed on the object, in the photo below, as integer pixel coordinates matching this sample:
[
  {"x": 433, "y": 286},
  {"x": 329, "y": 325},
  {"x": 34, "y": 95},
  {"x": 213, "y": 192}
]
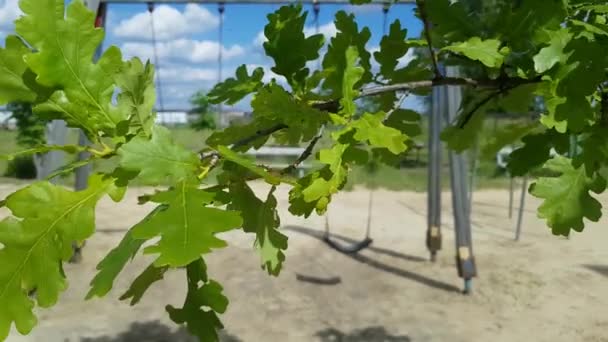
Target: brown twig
[
  {"x": 503, "y": 83},
  {"x": 468, "y": 116},
  {"x": 307, "y": 152},
  {"x": 259, "y": 134},
  {"x": 427, "y": 33}
]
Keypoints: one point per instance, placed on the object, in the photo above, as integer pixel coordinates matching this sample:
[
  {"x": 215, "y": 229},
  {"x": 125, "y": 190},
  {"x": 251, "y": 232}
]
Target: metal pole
[
  {"x": 473, "y": 175},
  {"x": 220, "y": 40},
  {"x": 511, "y": 186},
  {"x": 465, "y": 260},
  {"x": 433, "y": 235},
  {"x": 520, "y": 217}
]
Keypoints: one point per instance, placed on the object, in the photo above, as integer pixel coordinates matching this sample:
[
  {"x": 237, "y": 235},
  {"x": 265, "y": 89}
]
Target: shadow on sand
[
  {"x": 380, "y": 265},
  {"x": 371, "y": 334},
  {"x": 154, "y": 331}
]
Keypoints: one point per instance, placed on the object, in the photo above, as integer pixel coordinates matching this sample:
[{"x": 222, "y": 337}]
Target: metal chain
[{"x": 159, "y": 85}]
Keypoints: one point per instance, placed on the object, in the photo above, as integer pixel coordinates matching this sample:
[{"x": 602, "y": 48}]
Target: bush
[{"x": 22, "y": 167}]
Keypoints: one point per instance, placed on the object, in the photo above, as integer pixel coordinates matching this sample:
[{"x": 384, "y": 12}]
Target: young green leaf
[
  {"x": 352, "y": 75},
  {"x": 485, "y": 51},
  {"x": 12, "y": 68},
  {"x": 143, "y": 281},
  {"x": 273, "y": 103},
  {"x": 261, "y": 217},
  {"x": 51, "y": 218},
  {"x": 116, "y": 260},
  {"x": 137, "y": 96},
  {"x": 186, "y": 227},
  {"x": 202, "y": 304},
  {"x": 550, "y": 55},
  {"x": 232, "y": 90},
  {"x": 392, "y": 47},
  {"x": 64, "y": 58},
  {"x": 236, "y": 158},
  {"x": 334, "y": 61},
  {"x": 370, "y": 128},
  {"x": 159, "y": 158},
  {"x": 566, "y": 198},
  {"x": 535, "y": 151},
  {"x": 288, "y": 46}
]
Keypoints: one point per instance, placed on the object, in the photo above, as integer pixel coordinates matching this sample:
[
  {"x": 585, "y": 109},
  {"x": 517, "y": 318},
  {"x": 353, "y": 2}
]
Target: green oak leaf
[
  {"x": 261, "y": 217},
  {"x": 143, "y": 281},
  {"x": 566, "y": 198},
  {"x": 65, "y": 47},
  {"x": 393, "y": 46},
  {"x": 536, "y": 151},
  {"x": 554, "y": 53},
  {"x": 455, "y": 21},
  {"x": 232, "y": 90},
  {"x": 159, "y": 158},
  {"x": 48, "y": 220},
  {"x": 325, "y": 187},
  {"x": 247, "y": 163},
  {"x": 234, "y": 133},
  {"x": 12, "y": 69},
  {"x": 507, "y": 135},
  {"x": 285, "y": 32},
  {"x": 406, "y": 121},
  {"x": 272, "y": 103},
  {"x": 186, "y": 227},
  {"x": 594, "y": 153},
  {"x": 370, "y": 128},
  {"x": 485, "y": 51},
  {"x": 352, "y": 75},
  {"x": 335, "y": 60},
  {"x": 113, "y": 263},
  {"x": 202, "y": 304},
  {"x": 137, "y": 96}
]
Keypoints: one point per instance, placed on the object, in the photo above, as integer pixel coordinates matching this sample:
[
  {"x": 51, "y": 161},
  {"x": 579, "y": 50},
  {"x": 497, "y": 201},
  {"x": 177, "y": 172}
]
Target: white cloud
[
  {"x": 185, "y": 74},
  {"x": 182, "y": 49},
  {"x": 328, "y": 30},
  {"x": 9, "y": 11},
  {"x": 169, "y": 23}
]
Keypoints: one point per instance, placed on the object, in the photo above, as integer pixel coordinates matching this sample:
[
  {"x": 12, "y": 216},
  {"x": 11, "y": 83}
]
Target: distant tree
[
  {"x": 30, "y": 127},
  {"x": 30, "y": 133},
  {"x": 204, "y": 110}
]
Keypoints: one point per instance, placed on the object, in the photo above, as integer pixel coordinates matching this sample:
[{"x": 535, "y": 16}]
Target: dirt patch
[{"x": 543, "y": 288}]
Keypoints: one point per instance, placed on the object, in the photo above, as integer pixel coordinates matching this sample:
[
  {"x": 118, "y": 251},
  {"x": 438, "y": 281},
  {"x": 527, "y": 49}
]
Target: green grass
[{"x": 413, "y": 177}]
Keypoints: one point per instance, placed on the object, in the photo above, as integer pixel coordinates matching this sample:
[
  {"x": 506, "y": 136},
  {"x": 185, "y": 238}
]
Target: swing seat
[{"x": 348, "y": 249}]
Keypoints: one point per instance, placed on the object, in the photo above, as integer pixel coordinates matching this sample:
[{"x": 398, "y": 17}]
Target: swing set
[{"x": 446, "y": 101}]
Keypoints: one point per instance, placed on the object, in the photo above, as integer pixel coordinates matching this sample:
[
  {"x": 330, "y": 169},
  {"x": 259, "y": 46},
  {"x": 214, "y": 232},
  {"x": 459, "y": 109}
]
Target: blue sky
[{"x": 187, "y": 38}]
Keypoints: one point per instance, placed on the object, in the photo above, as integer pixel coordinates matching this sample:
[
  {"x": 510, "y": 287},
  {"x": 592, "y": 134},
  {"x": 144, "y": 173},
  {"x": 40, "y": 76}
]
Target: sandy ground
[{"x": 542, "y": 288}]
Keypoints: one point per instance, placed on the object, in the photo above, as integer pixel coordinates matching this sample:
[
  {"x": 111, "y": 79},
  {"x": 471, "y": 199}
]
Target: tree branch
[
  {"x": 468, "y": 116},
  {"x": 258, "y": 134},
  {"x": 307, "y": 152},
  {"x": 502, "y": 83},
  {"x": 427, "y": 33}
]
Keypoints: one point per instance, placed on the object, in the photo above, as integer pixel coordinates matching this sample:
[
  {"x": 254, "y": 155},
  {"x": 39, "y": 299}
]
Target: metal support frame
[
  {"x": 465, "y": 260},
  {"x": 433, "y": 234},
  {"x": 520, "y": 215}
]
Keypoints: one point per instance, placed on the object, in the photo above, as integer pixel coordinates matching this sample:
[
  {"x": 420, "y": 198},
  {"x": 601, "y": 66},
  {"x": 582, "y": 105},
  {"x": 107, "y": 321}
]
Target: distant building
[{"x": 170, "y": 118}]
